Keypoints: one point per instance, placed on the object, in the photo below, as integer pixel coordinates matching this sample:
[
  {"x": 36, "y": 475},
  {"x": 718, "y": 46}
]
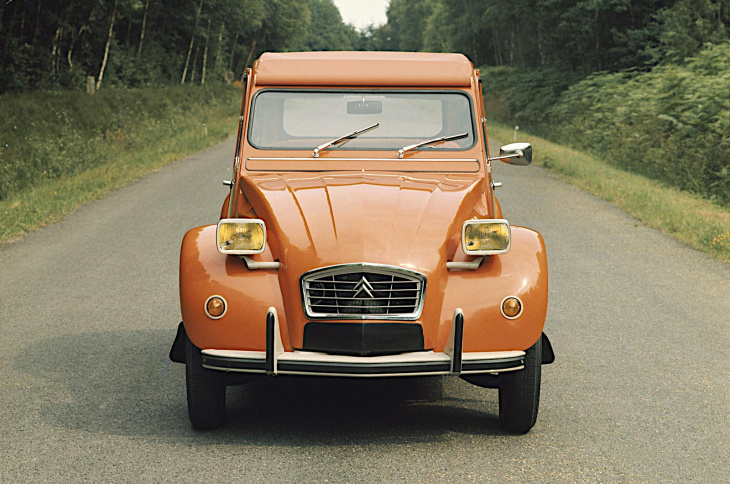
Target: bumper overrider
[{"x": 276, "y": 361}]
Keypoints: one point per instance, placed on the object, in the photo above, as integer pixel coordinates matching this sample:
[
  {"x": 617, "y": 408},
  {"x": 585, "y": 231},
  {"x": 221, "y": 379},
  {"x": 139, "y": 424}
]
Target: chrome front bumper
[{"x": 276, "y": 361}]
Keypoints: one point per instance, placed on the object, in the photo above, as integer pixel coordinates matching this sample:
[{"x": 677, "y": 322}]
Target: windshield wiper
[
  {"x": 339, "y": 140},
  {"x": 435, "y": 140}
]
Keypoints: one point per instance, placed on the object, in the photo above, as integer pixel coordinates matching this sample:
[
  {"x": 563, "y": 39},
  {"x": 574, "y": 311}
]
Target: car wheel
[
  {"x": 519, "y": 393},
  {"x": 206, "y": 391}
]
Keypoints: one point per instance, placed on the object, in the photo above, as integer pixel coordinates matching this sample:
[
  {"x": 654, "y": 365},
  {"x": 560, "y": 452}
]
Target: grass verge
[
  {"x": 690, "y": 219},
  {"x": 50, "y": 200}
]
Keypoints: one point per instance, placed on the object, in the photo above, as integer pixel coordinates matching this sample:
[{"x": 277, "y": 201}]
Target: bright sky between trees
[{"x": 362, "y": 13}]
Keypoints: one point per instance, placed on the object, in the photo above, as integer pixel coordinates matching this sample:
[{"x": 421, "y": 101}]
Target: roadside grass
[
  {"x": 690, "y": 219},
  {"x": 48, "y": 201}
]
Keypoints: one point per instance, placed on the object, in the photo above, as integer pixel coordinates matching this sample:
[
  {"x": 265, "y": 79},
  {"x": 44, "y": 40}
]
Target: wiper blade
[
  {"x": 435, "y": 140},
  {"x": 339, "y": 140}
]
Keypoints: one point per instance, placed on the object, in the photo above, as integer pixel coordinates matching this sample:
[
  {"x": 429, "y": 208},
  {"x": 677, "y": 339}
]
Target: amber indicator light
[
  {"x": 215, "y": 307},
  {"x": 511, "y": 307}
]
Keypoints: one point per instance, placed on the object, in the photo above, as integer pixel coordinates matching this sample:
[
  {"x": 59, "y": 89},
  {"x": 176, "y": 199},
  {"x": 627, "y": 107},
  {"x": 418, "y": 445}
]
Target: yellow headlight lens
[
  {"x": 241, "y": 236},
  {"x": 485, "y": 237}
]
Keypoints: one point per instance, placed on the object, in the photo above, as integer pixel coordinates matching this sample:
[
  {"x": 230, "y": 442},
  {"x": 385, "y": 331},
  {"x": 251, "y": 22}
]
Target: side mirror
[{"x": 515, "y": 154}]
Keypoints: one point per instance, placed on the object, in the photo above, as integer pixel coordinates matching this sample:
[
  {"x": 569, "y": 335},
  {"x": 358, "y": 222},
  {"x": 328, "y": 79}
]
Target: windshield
[{"x": 306, "y": 119}]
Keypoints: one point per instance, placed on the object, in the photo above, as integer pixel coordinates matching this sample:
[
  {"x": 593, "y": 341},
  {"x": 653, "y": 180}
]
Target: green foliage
[
  {"x": 326, "y": 30},
  {"x": 565, "y": 35},
  {"x": 58, "y": 44},
  {"x": 371, "y": 38},
  {"x": 695, "y": 221},
  {"x": 284, "y": 26},
  {"x": 407, "y": 19},
  {"x": 688, "y": 24},
  {"x": 524, "y": 96},
  {"x": 670, "y": 124},
  {"x": 48, "y": 135}
]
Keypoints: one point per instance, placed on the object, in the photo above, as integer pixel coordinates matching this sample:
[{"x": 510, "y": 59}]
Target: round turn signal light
[
  {"x": 215, "y": 307},
  {"x": 511, "y": 307}
]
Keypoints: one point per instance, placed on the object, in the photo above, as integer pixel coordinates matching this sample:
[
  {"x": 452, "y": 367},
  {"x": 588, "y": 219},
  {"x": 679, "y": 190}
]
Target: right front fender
[{"x": 205, "y": 272}]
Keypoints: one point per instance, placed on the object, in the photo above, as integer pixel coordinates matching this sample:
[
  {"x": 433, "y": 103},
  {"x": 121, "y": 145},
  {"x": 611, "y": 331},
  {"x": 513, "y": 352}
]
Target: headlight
[
  {"x": 485, "y": 237},
  {"x": 241, "y": 236}
]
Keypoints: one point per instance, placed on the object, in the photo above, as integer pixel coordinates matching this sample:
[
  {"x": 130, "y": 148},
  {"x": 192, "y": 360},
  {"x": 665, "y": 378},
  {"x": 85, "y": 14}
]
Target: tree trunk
[
  {"x": 54, "y": 49},
  {"x": 598, "y": 44},
  {"x": 192, "y": 42},
  {"x": 70, "y": 50},
  {"x": 512, "y": 48},
  {"x": 220, "y": 45},
  {"x": 22, "y": 27},
  {"x": 720, "y": 23},
  {"x": 58, "y": 58},
  {"x": 78, "y": 36},
  {"x": 37, "y": 24},
  {"x": 205, "y": 54},
  {"x": 195, "y": 64},
  {"x": 540, "y": 44},
  {"x": 129, "y": 32},
  {"x": 248, "y": 59},
  {"x": 108, "y": 43},
  {"x": 474, "y": 48},
  {"x": 187, "y": 60},
  {"x": 144, "y": 26},
  {"x": 497, "y": 47},
  {"x": 9, "y": 34},
  {"x": 233, "y": 52}
]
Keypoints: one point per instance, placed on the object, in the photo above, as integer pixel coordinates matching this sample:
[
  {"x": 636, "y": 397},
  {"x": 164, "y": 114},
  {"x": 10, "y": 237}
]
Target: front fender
[
  {"x": 521, "y": 272},
  {"x": 205, "y": 272}
]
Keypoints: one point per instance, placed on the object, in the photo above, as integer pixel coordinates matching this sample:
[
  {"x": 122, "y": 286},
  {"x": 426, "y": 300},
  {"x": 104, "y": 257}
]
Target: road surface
[{"x": 89, "y": 306}]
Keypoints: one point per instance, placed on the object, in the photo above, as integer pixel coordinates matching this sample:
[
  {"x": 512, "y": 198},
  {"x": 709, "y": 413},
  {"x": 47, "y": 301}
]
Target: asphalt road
[{"x": 89, "y": 306}]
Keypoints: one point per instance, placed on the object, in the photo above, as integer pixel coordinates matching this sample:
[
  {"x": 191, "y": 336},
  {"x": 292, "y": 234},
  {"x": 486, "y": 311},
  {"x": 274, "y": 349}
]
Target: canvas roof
[{"x": 397, "y": 69}]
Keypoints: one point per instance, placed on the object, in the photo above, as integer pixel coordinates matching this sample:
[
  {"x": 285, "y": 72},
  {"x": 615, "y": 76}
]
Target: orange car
[{"x": 361, "y": 238}]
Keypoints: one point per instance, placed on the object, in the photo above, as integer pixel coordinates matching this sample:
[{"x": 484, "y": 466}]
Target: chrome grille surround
[{"x": 363, "y": 291}]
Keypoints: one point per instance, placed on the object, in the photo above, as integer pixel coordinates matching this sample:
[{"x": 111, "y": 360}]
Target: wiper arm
[
  {"x": 435, "y": 140},
  {"x": 348, "y": 136}
]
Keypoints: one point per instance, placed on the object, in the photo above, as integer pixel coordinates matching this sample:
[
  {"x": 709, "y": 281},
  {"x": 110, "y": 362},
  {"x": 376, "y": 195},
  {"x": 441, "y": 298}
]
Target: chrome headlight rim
[
  {"x": 241, "y": 221},
  {"x": 485, "y": 221}
]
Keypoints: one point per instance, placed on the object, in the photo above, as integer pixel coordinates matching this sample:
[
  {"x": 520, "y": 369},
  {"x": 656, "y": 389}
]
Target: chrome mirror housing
[{"x": 515, "y": 154}]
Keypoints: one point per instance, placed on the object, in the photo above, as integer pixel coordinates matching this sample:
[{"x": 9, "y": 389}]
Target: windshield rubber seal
[{"x": 470, "y": 100}]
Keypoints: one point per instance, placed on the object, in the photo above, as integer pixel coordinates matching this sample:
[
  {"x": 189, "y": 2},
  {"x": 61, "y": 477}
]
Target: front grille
[{"x": 363, "y": 291}]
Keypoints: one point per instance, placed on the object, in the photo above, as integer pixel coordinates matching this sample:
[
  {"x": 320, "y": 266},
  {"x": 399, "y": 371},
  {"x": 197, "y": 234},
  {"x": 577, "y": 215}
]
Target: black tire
[
  {"x": 519, "y": 393},
  {"x": 206, "y": 391}
]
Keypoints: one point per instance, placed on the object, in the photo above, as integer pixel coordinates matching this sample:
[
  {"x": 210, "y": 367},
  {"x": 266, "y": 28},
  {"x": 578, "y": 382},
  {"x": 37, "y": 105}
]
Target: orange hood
[{"x": 319, "y": 220}]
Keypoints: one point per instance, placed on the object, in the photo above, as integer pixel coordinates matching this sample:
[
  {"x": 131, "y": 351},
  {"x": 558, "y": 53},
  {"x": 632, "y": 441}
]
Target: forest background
[{"x": 645, "y": 84}]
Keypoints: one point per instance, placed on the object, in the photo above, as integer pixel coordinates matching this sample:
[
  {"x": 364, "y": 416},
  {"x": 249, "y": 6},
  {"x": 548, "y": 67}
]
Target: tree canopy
[
  {"x": 58, "y": 43},
  {"x": 580, "y": 36}
]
